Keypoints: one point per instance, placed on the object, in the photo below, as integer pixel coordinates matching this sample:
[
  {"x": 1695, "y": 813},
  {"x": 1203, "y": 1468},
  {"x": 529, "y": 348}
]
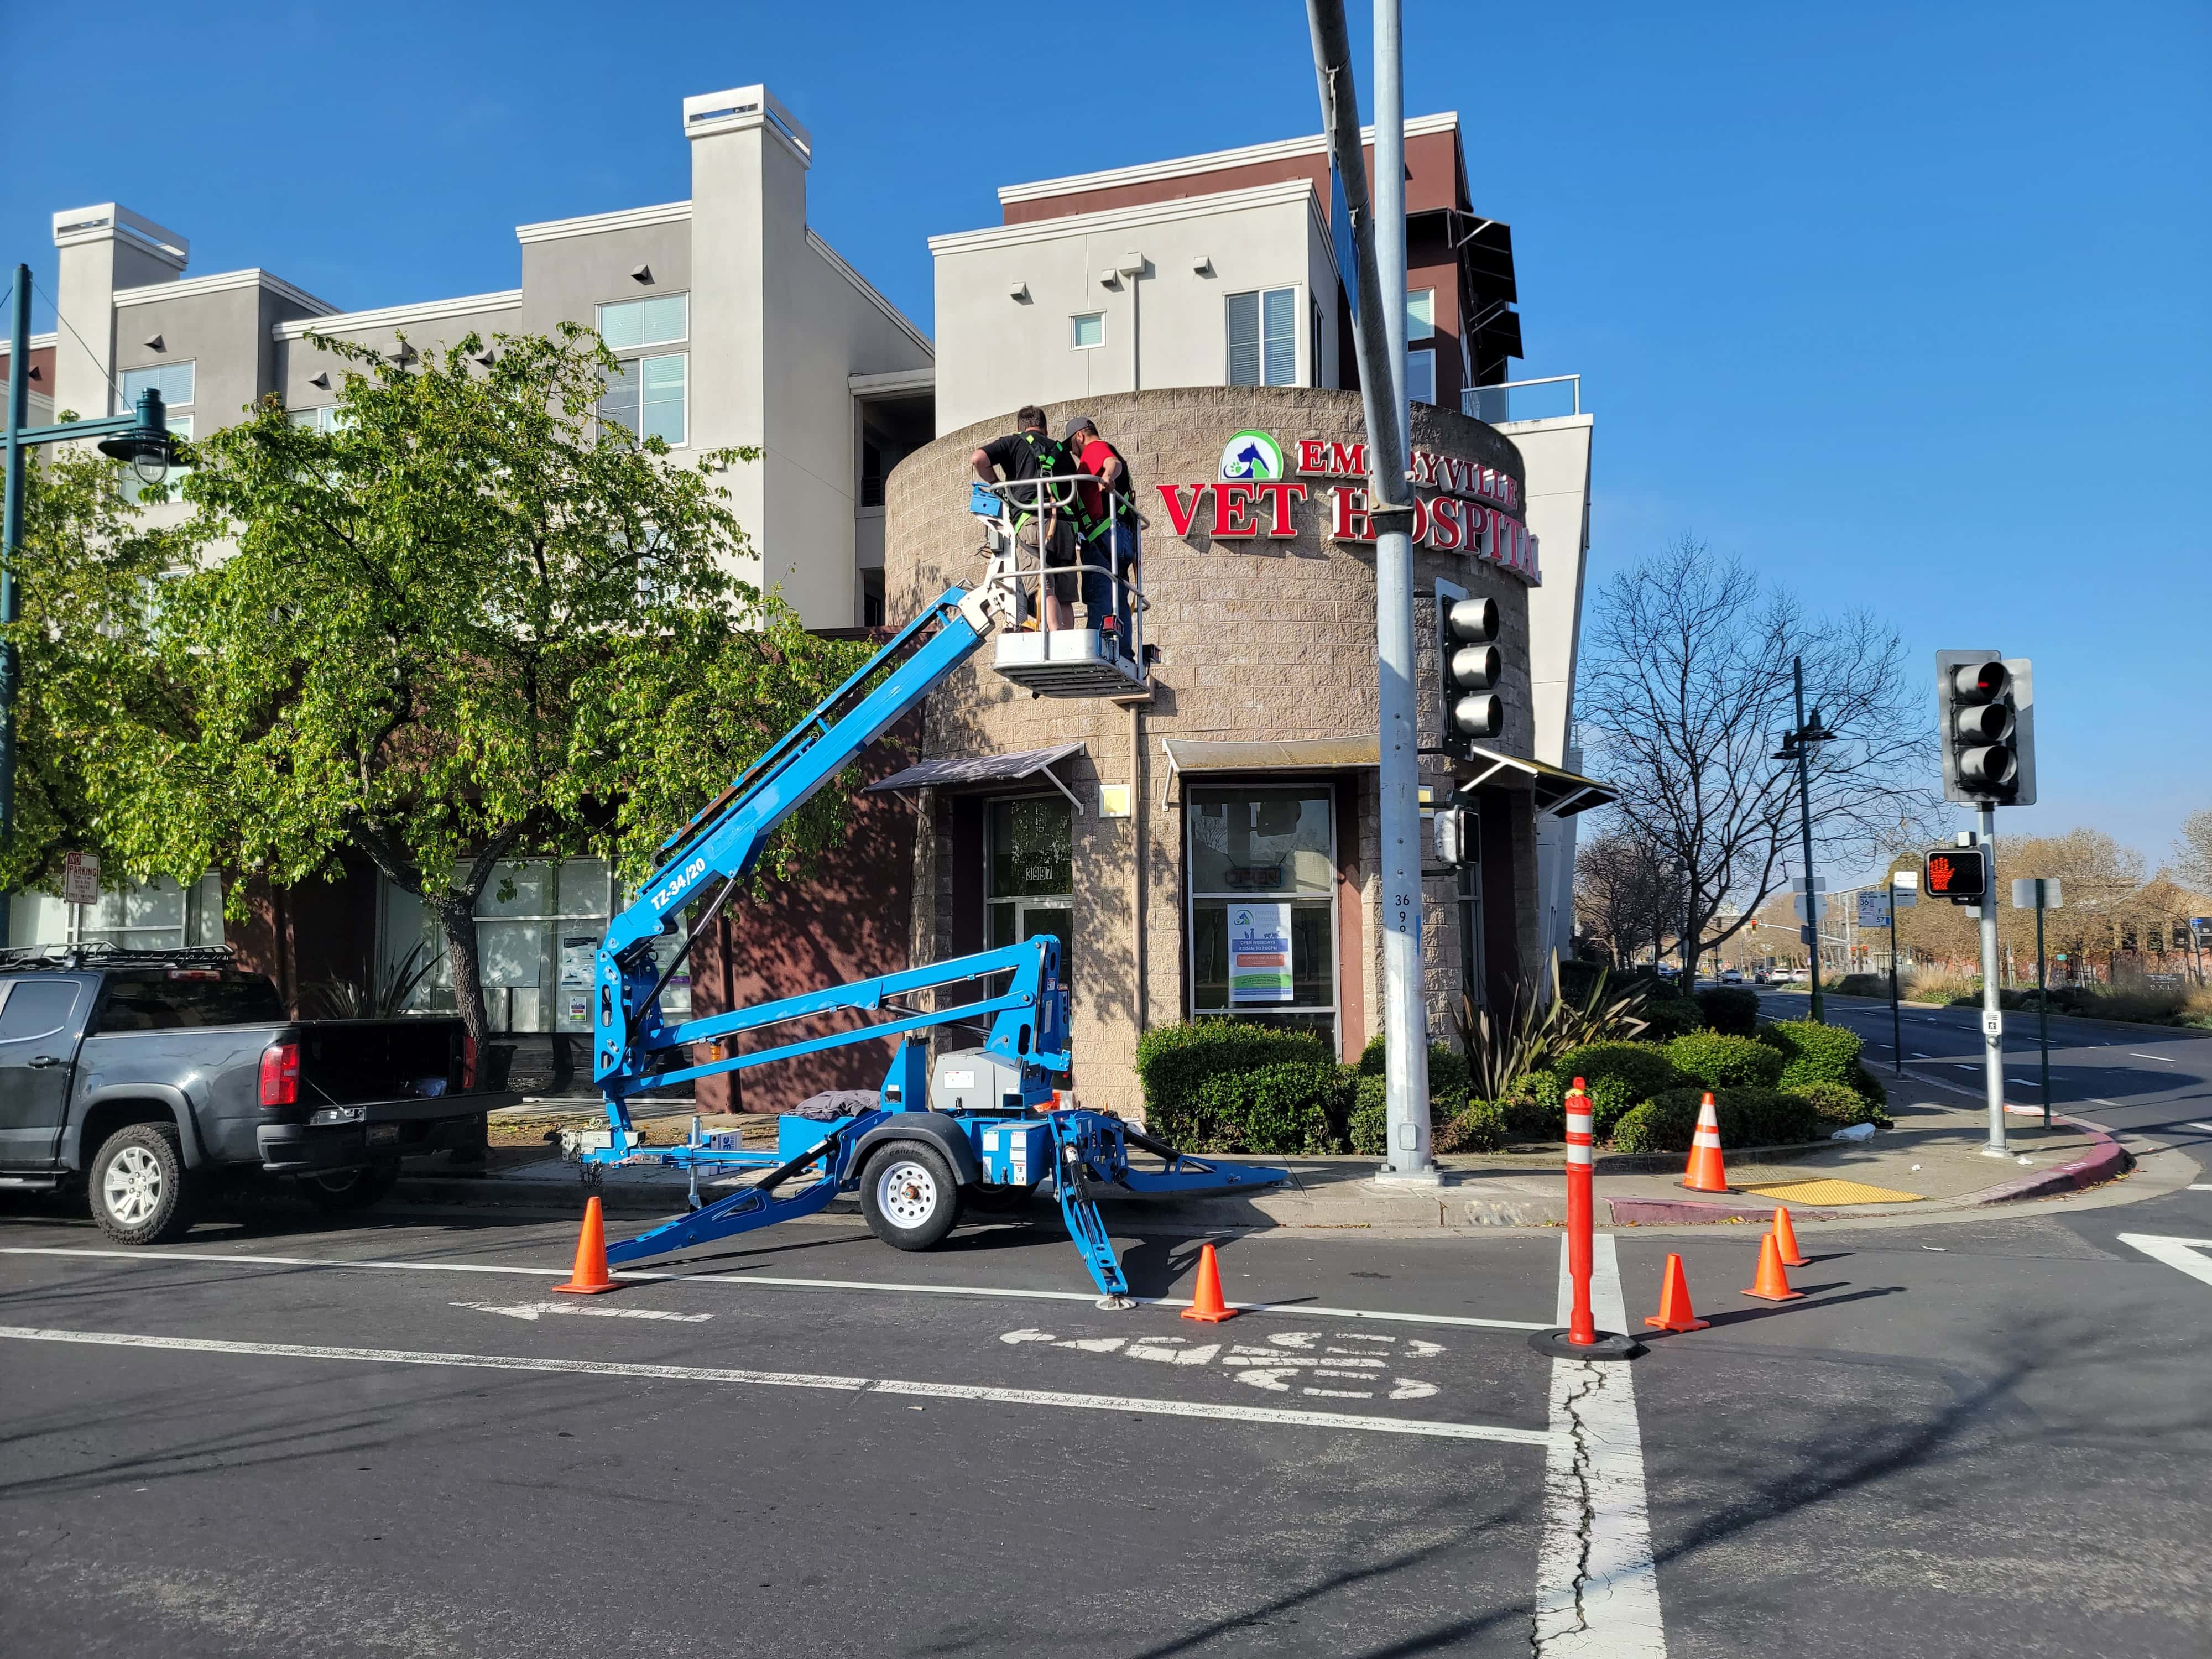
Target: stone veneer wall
[{"x": 1261, "y": 639}]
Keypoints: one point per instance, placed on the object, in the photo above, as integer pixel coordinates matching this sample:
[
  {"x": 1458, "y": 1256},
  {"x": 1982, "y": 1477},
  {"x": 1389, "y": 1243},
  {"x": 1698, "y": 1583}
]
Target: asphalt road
[
  {"x": 1983, "y": 1436},
  {"x": 2146, "y": 1079}
]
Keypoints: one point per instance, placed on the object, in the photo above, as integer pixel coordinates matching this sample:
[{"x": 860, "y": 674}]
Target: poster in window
[
  {"x": 579, "y": 952},
  {"x": 1259, "y": 953}
]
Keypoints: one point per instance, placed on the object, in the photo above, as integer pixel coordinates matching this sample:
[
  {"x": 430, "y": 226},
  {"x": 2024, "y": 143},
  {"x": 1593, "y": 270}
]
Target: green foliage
[
  {"x": 90, "y": 578},
  {"x": 1813, "y": 1052},
  {"x": 1618, "y": 1075},
  {"x": 1729, "y": 1009},
  {"x": 1482, "y": 1128},
  {"x": 472, "y": 622},
  {"x": 1865, "y": 1083},
  {"x": 1533, "y": 1029},
  {"x": 1669, "y": 1016},
  {"x": 1447, "y": 1073},
  {"x": 1289, "y": 1107},
  {"x": 1749, "y": 1117},
  {"x": 1370, "y": 1129},
  {"x": 1535, "y": 1107},
  {"x": 1714, "y": 1061},
  {"x": 1838, "y": 1108},
  {"x": 1176, "y": 1064}
]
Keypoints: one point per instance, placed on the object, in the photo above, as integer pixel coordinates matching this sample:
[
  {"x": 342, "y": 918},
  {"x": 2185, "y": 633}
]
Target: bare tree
[
  {"x": 2192, "y": 851},
  {"x": 1627, "y": 896},
  {"x": 1687, "y": 695}
]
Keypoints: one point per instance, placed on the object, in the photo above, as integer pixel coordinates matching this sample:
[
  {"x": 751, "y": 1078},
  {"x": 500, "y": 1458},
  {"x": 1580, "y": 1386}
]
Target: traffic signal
[
  {"x": 1470, "y": 666},
  {"x": 1985, "y": 706},
  {"x": 1961, "y": 874}
]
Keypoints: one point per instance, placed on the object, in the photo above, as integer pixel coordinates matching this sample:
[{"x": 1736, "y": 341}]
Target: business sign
[
  {"x": 1469, "y": 509},
  {"x": 80, "y": 877},
  {"x": 1259, "y": 953}
]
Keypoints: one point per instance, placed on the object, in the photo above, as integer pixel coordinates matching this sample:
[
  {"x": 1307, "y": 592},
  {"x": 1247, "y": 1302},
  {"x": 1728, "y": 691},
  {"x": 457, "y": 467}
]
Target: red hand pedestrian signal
[{"x": 1960, "y": 876}]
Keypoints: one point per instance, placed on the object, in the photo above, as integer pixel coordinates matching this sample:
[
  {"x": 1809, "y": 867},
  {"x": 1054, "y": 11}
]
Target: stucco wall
[{"x": 1260, "y": 639}]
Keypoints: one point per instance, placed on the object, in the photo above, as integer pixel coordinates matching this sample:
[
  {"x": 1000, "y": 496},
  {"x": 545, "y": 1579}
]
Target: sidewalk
[{"x": 1930, "y": 1164}]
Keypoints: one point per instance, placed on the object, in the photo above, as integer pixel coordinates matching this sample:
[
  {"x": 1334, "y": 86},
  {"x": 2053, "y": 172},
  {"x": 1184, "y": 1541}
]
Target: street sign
[
  {"x": 1874, "y": 909},
  {"x": 1797, "y": 883},
  {"x": 1805, "y": 936},
  {"x": 80, "y": 877},
  {"x": 1800, "y": 904},
  {"x": 1904, "y": 888},
  {"x": 2035, "y": 892},
  {"x": 1992, "y": 1023}
]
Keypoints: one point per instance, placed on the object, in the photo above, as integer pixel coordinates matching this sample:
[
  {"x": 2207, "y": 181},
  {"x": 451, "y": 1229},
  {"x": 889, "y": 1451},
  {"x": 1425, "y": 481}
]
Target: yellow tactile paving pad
[{"x": 1830, "y": 1192}]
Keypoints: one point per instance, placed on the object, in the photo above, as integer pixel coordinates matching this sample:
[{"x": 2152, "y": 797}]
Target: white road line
[
  {"x": 534, "y": 1311},
  {"x": 1088, "y": 1402},
  {"x": 2180, "y": 1253},
  {"x": 2095, "y": 1101},
  {"x": 2160, "y": 1059},
  {"x": 2200, "y": 1186},
  {"x": 1597, "y": 1588},
  {"x": 744, "y": 1281},
  {"x": 2207, "y": 1127}
]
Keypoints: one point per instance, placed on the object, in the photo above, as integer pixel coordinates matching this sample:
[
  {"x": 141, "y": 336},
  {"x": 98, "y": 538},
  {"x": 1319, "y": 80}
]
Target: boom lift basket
[{"x": 1104, "y": 655}]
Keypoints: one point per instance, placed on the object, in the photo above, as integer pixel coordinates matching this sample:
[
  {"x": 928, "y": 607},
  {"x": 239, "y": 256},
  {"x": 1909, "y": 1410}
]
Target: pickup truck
[{"x": 155, "y": 1078}]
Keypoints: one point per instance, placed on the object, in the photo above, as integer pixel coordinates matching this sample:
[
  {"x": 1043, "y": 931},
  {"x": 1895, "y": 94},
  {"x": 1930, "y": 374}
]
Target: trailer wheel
[
  {"x": 138, "y": 1187},
  {"x": 910, "y": 1195}
]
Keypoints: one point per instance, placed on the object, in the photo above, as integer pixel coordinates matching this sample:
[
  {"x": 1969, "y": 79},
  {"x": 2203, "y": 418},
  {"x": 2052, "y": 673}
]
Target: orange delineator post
[{"x": 1582, "y": 1218}]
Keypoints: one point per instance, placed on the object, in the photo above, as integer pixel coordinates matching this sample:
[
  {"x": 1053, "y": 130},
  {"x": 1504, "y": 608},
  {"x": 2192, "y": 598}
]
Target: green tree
[
  {"x": 474, "y": 620},
  {"x": 89, "y": 573}
]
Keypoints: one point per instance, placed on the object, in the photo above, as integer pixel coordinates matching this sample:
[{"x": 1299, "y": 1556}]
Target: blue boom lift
[{"x": 984, "y": 1125}]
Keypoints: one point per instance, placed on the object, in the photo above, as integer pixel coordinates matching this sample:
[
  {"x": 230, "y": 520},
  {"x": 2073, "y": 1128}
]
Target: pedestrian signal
[{"x": 1960, "y": 874}]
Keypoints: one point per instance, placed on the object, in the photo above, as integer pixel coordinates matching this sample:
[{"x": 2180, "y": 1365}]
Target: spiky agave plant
[{"x": 1532, "y": 1030}]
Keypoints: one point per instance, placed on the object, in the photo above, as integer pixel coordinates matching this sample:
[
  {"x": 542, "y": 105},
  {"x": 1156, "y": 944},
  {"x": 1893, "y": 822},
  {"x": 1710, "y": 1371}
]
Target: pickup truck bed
[{"x": 154, "y": 1077}]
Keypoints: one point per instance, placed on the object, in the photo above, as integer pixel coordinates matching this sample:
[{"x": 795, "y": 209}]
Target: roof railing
[{"x": 1548, "y": 398}]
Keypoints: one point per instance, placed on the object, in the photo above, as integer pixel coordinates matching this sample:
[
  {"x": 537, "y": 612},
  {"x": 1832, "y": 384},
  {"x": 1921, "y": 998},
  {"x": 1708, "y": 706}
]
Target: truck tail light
[
  {"x": 468, "y": 1061},
  {"x": 280, "y": 1074}
]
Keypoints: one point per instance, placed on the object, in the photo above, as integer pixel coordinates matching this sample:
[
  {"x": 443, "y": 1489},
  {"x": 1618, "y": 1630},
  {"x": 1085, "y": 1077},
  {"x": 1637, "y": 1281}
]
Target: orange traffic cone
[
  {"x": 1675, "y": 1313},
  {"x": 1705, "y": 1173},
  {"x": 1772, "y": 1284},
  {"x": 1785, "y": 1239},
  {"x": 1207, "y": 1305},
  {"x": 590, "y": 1277}
]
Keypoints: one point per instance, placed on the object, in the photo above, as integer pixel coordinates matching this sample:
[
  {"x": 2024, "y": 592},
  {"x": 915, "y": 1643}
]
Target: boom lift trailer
[{"x": 986, "y": 1126}]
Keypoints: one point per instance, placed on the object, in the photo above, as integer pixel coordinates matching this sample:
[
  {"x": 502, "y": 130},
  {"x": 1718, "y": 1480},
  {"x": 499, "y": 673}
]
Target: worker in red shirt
[{"x": 1112, "y": 522}]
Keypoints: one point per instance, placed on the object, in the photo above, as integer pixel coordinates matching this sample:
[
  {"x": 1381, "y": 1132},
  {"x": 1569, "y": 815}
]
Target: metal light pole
[
  {"x": 1379, "y": 237},
  {"x": 1797, "y": 745},
  {"x": 1992, "y": 1006},
  {"x": 141, "y": 437}
]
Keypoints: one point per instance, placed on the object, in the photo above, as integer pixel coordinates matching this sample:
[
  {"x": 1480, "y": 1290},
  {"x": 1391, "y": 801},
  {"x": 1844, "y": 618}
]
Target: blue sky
[{"x": 1896, "y": 303}]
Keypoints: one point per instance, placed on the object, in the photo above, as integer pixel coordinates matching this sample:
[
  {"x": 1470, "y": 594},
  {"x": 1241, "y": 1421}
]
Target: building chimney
[{"x": 100, "y": 249}]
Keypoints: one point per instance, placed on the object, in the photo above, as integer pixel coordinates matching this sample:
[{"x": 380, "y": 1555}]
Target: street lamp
[
  {"x": 1797, "y": 745},
  {"x": 141, "y": 438}
]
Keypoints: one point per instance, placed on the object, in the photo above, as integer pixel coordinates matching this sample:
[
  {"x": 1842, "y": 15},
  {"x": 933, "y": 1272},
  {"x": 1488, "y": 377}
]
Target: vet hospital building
[{"x": 1196, "y": 310}]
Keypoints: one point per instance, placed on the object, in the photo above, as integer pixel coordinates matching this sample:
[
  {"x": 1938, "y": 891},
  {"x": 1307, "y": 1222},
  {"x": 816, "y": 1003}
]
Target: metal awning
[
  {"x": 1268, "y": 754},
  {"x": 1558, "y": 791},
  {"x": 983, "y": 768}
]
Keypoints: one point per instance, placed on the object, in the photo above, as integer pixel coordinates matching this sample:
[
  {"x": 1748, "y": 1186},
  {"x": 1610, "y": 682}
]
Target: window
[
  {"x": 538, "y": 925},
  {"x": 324, "y": 418},
  {"x": 1421, "y": 314},
  {"x": 1263, "y": 337},
  {"x": 1421, "y": 377},
  {"x": 662, "y": 320},
  {"x": 36, "y": 1008},
  {"x": 1029, "y": 873},
  {"x": 156, "y": 915},
  {"x": 137, "y": 1002},
  {"x": 1090, "y": 330},
  {"x": 172, "y": 380},
  {"x": 649, "y": 396},
  {"x": 1254, "y": 849}
]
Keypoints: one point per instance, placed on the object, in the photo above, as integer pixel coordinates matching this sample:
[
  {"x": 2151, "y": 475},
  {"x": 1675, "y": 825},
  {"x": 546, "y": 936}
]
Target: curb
[
  {"x": 1639, "y": 1212},
  {"x": 2105, "y": 1161}
]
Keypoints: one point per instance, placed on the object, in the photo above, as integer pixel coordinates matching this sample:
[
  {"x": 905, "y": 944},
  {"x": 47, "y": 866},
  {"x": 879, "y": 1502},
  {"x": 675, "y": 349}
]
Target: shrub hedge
[
  {"x": 1448, "y": 1072},
  {"x": 1291, "y": 1106},
  {"x": 1618, "y": 1076},
  {"x": 1749, "y": 1117},
  {"x": 1715, "y": 1061},
  {"x": 1176, "y": 1063},
  {"x": 1729, "y": 1009},
  {"x": 1838, "y": 1108},
  {"x": 1863, "y": 985},
  {"x": 1813, "y": 1053},
  {"x": 1369, "y": 1133},
  {"x": 1482, "y": 1128},
  {"x": 1534, "y": 1108},
  {"x": 1665, "y": 1016}
]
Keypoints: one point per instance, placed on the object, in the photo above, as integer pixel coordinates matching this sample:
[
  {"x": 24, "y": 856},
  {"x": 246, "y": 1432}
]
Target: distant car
[
  {"x": 1790, "y": 976},
  {"x": 1760, "y": 978},
  {"x": 1732, "y": 976}
]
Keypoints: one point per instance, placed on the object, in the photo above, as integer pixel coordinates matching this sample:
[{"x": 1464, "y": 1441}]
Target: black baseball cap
[{"x": 1080, "y": 423}]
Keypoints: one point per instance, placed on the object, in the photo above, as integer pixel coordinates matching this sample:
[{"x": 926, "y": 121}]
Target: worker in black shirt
[{"x": 1047, "y": 514}]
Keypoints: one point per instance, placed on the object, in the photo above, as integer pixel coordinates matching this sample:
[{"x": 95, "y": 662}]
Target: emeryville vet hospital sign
[{"x": 1467, "y": 509}]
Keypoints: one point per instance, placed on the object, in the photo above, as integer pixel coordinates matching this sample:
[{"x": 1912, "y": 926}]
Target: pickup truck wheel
[
  {"x": 350, "y": 1189},
  {"x": 909, "y": 1195},
  {"x": 139, "y": 1191}
]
